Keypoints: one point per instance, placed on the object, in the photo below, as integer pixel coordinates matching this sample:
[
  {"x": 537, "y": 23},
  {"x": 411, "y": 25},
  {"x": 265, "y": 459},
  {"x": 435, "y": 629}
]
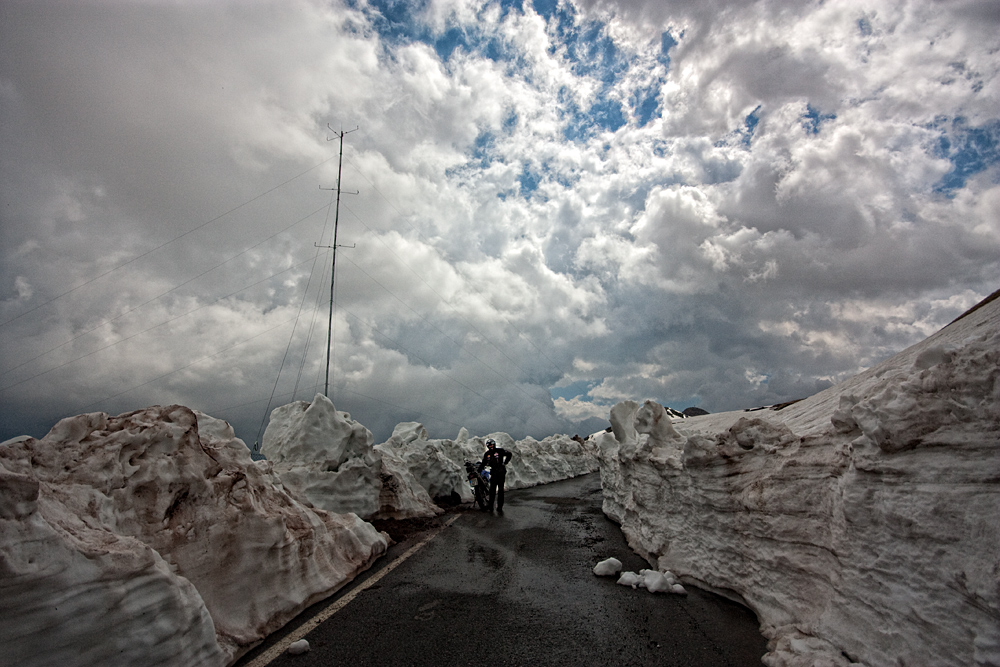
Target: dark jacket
[{"x": 497, "y": 460}]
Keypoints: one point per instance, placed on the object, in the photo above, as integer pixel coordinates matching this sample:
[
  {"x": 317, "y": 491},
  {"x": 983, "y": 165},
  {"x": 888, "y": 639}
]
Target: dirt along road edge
[{"x": 275, "y": 650}]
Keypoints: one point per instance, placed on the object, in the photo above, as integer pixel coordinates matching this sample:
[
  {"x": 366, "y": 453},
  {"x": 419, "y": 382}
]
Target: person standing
[{"x": 497, "y": 459}]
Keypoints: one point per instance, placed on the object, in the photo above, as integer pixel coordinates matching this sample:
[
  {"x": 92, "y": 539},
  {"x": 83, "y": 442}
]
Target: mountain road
[{"x": 518, "y": 589}]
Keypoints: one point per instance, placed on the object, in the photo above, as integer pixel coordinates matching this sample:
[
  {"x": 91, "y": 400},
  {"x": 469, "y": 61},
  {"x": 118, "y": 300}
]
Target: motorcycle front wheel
[{"x": 482, "y": 496}]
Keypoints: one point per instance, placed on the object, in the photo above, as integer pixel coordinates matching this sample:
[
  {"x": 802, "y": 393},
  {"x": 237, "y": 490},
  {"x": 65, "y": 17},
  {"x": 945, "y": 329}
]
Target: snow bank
[
  {"x": 861, "y": 524},
  {"x": 328, "y": 458},
  {"x": 152, "y": 538},
  {"x": 548, "y": 460},
  {"x": 439, "y": 465}
]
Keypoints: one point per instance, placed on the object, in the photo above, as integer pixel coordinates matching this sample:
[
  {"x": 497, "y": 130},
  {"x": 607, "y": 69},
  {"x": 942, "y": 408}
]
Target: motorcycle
[{"x": 479, "y": 480}]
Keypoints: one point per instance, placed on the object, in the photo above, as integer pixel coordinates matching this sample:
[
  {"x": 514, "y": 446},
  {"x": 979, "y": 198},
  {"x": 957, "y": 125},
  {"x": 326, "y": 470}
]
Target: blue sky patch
[
  {"x": 395, "y": 20},
  {"x": 605, "y": 115},
  {"x": 510, "y": 121},
  {"x": 593, "y": 53},
  {"x": 608, "y": 115},
  {"x": 507, "y": 5},
  {"x": 573, "y": 390},
  {"x": 971, "y": 150},
  {"x": 496, "y": 50},
  {"x": 529, "y": 180},
  {"x": 667, "y": 42},
  {"x": 446, "y": 44},
  {"x": 545, "y": 8},
  {"x": 812, "y": 119},
  {"x": 483, "y": 149},
  {"x": 646, "y": 104},
  {"x": 750, "y": 125},
  {"x": 399, "y": 21}
]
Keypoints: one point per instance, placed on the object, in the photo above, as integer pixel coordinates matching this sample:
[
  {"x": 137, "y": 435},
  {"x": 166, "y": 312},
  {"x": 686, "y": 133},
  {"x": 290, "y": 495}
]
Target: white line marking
[{"x": 270, "y": 654}]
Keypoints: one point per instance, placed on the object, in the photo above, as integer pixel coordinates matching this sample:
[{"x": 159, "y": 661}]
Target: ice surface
[
  {"x": 861, "y": 524},
  {"x": 152, "y": 538}
]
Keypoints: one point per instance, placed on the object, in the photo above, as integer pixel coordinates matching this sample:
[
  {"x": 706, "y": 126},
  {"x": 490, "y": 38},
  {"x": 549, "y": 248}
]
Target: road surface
[{"x": 518, "y": 589}]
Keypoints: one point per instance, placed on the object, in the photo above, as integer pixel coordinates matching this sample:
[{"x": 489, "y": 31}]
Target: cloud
[{"x": 715, "y": 203}]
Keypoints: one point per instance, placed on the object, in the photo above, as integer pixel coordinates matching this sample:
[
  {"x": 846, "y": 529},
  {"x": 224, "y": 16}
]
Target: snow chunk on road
[
  {"x": 653, "y": 581},
  {"x": 629, "y": 579},
  {"x": 299, "y": 647},
  {"x": 607, "y": 568}
]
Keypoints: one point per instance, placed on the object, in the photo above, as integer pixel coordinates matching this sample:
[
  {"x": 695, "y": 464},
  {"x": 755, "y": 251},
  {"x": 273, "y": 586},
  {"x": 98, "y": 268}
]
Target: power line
[
  {"x": 488, "y": 300},
  {"x": 292, "y": 335},
  {"x": 438, "y": 294},
  {"x": 165, "y": 244},
  {"x": 455, "y": 342},
  {"x": 177, "y": 370},
  {"x": 333, "y": 274},
  {"x": 155, "y": 326},
  {"x": 458, "y": 345},
  {"x": 169, "y": 291},
  {"x": 427, "y": 364},
  {"x": 333, "y": 267},
  {"x": 312, "y": 327}
]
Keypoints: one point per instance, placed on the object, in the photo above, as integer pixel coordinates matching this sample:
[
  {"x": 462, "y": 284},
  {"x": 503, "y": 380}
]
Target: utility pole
[{"x": 333, "y": 269}]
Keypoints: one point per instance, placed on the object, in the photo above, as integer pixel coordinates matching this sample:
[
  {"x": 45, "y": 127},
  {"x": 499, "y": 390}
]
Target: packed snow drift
[
  {"x": 152, "y": 538},
  {"x": 440, "y": 464},
  {"x": 329, "y": 459},
  {"x": 862, "y": 525}
]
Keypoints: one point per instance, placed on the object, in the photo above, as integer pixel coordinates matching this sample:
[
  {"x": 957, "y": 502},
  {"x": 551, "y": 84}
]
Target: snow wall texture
[
  {"x": 328, "y": 458},
  {"x": 862, "y": 525},
  {"x": 152, "y": 538}
]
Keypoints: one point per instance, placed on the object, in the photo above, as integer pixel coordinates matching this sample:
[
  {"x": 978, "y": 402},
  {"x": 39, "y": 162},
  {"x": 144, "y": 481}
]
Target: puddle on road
[{"x": 556, "y": 500}]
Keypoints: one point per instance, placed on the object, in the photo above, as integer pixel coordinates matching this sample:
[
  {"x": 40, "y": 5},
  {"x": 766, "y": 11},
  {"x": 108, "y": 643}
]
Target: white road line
[{"x": 270, "y": 654}]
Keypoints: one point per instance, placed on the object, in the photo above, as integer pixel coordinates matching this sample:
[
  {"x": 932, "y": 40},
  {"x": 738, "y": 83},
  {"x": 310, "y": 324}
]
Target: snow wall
[
  {"x": 862, "y": 525},
  {"x": 328, "y": 458},
  {"x": 152, "y": 538}
]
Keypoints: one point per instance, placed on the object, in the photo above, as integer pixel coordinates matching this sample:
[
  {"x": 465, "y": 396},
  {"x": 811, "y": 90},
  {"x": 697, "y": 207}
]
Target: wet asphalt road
[{"x": 518, "y": 589}]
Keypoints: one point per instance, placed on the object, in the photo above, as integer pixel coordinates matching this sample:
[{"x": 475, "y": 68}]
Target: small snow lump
[
  {"x": 299, "y": 647},
  {"x": 607, "y": 568}
]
